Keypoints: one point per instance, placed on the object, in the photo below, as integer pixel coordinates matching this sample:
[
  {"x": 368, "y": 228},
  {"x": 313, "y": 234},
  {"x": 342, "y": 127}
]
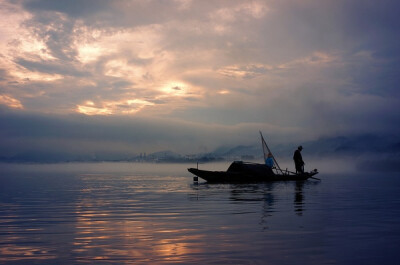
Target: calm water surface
[{"x": 123, "y": 213}]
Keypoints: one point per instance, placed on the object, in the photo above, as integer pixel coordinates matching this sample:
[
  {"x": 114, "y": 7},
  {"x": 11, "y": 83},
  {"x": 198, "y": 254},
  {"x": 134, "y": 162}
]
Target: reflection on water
[
  {"x": 264, "y": 195},
  {"x": 299, "y": 197},
  {"x": 154, "y": 214}
]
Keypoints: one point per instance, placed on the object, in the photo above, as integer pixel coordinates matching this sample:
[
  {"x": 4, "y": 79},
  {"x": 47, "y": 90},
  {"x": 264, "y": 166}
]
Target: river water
[{"x": 132, "y": 213}]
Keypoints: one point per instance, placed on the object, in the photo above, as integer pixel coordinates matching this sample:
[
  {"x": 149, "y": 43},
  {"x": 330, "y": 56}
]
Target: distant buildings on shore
[{"x": 170, "y": 157}]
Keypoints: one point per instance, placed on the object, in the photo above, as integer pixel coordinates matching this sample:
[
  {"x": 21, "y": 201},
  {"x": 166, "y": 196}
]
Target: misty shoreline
[{"x": 328, "y": 164}]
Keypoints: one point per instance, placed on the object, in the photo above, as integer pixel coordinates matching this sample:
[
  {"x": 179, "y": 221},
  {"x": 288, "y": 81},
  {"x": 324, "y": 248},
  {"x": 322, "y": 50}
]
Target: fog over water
[{"x": 138, "y": 213}]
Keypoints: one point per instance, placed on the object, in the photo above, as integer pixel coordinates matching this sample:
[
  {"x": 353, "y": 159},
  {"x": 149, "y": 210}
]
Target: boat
[{"x": 247, "y": 172}]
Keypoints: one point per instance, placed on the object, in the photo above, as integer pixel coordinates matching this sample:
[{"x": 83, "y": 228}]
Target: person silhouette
[{"x": 298, "y": 160}]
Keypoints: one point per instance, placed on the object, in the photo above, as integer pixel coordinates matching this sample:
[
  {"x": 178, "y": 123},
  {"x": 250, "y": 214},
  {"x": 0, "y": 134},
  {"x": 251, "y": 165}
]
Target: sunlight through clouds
[
  {"x": 286, "y": 64},
  {"x": 175, "y": 89},
  {"x": 141, "y": 42}
]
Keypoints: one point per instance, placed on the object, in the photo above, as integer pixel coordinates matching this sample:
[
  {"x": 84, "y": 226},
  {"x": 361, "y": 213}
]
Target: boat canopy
[{"x": 250, "y": 168}]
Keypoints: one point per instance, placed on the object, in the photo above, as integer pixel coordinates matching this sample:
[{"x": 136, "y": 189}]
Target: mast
[{"x": 265, "y": 147}]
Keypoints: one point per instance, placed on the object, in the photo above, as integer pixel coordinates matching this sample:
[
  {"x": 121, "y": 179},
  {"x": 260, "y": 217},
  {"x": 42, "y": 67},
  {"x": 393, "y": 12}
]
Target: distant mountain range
[
  {"x": 324, "y": 147},
  {"x": 357, "y": 145}
]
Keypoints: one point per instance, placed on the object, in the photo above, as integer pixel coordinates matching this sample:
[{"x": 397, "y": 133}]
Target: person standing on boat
[
  {"x": 269, "y": 161},
  {"x": 298, "y": 160}
]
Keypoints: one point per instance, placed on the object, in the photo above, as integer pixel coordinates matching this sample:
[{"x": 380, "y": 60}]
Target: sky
[{"x": 192, "y": 75}]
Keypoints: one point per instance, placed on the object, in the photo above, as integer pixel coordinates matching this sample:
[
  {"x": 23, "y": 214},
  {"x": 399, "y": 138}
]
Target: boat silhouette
[{"x": 247, "y": 172}]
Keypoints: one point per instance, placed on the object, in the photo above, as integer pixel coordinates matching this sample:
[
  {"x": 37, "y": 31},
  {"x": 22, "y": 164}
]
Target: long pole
[
  {"x": 309, "y": 177},
  {"x": 269, "y": 151}
]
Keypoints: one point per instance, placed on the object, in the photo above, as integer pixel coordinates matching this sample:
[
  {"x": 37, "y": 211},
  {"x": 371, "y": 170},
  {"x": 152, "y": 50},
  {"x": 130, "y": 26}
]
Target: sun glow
[{"x": 175, "y": 88}]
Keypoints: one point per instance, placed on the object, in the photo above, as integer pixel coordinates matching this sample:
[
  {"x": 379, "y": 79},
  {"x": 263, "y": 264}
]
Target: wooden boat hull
[{"x": 247, "y": 173}]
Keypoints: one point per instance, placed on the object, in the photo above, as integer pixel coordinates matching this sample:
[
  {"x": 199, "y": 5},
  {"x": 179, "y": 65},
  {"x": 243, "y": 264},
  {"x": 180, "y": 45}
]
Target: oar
[{"x": 315, "y": 178}]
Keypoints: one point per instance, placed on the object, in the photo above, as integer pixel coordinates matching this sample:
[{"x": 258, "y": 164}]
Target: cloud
[
  {"x": 10, "y": 102},
  {"x": 108, "y": 108},
  {"x": 80, "y": 134},
  {"x": 314, "y": 67}
]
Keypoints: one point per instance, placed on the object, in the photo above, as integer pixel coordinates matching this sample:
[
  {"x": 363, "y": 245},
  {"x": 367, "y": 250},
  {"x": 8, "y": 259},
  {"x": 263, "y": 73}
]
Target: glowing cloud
[
  {"x": 113, "y": 107},
  {"x": 244, "y": 71},
  {"x": 10, "y": 102}
]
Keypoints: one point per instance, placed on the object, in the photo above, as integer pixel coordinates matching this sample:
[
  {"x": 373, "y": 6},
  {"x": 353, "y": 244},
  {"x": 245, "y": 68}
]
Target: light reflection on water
[{"x": 121, "y": 213}]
